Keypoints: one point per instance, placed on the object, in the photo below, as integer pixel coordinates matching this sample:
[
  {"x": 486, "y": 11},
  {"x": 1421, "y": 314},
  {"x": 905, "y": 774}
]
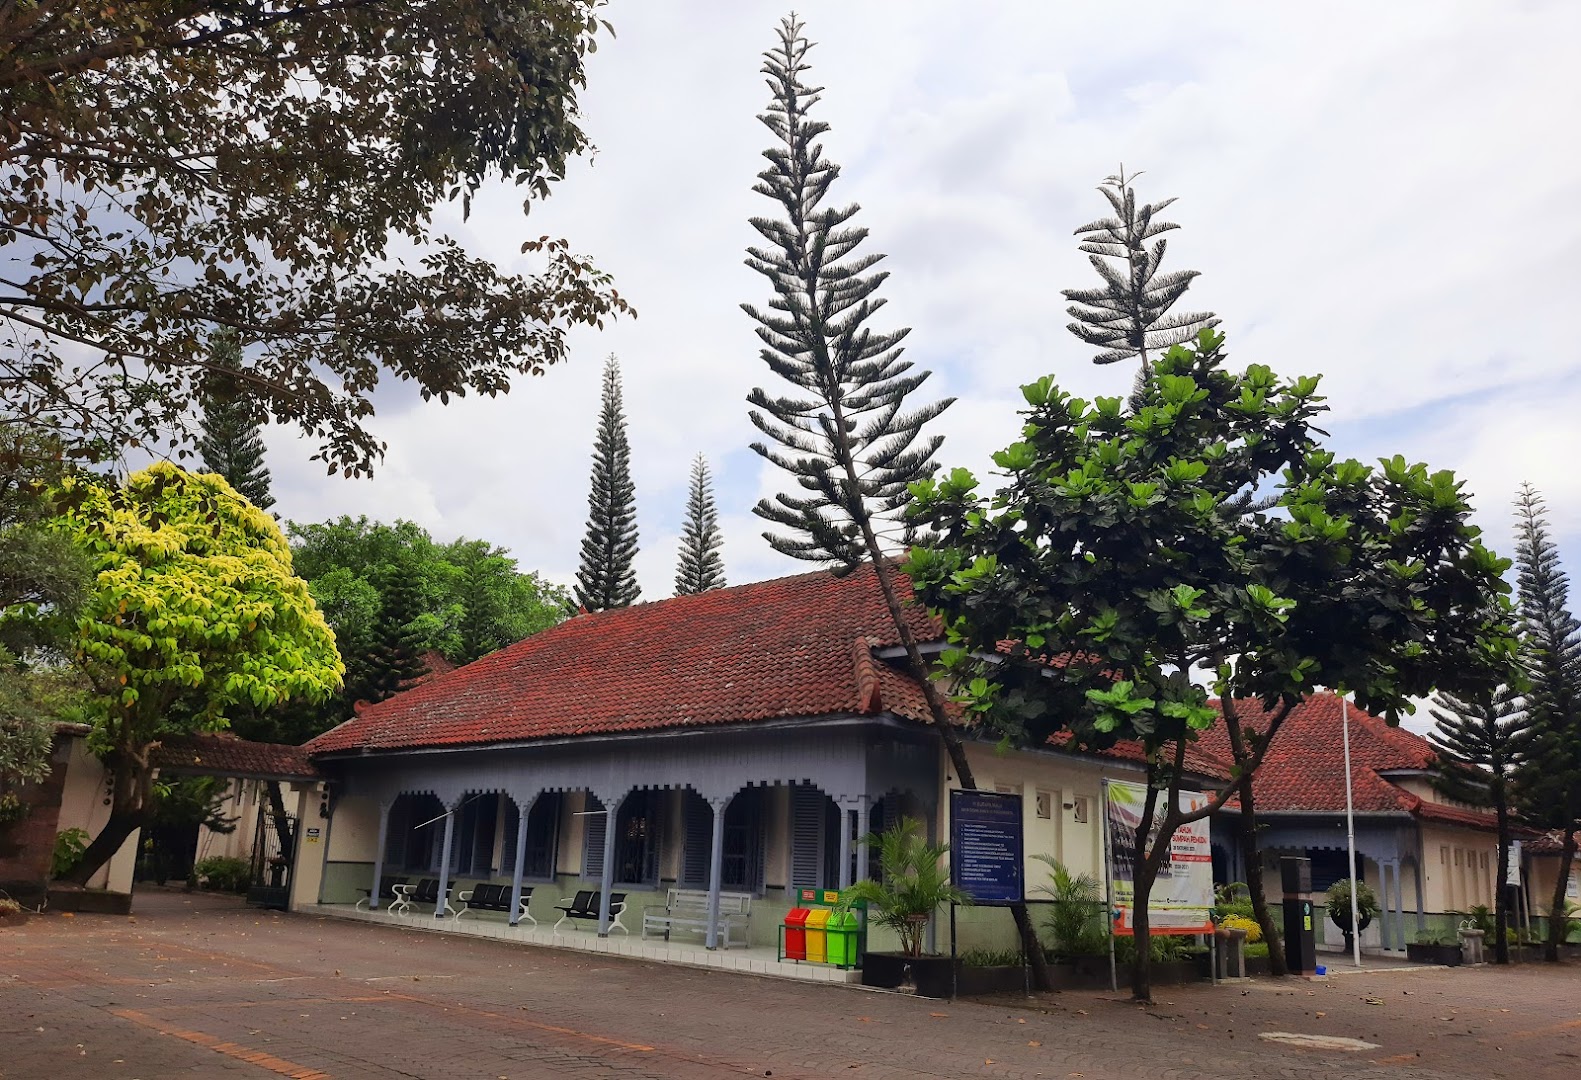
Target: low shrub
[
  {"x": 991, "y": 958},
  {"x": 223, "y": 873},
  {"x": 69, "y": 846},
  {"x": 9, "y": 906},
  {"x": 1254, "y": 932}
]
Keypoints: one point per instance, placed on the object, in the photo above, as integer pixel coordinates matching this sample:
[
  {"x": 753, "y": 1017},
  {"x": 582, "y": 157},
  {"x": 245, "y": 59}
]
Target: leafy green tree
[
  {"x": 1481, "y": 744},
  {"x": 43, "y": 579},
  {"x": 843, "y": 431},
  {"x": 395, "y": 661},
  {"x": 195, "y": 612},
  {"x": 229, "y": 443},
  {"x": 470, "y": 599},
  {"x": 177, "y": 168},
  {"x": 1129, "y": 315},
  {"x": 701, "y": 567},
  {"x": 607, "y": 577},
  {"x": 1549, "y": 785},
  {"x": 1116, "y": 547}
]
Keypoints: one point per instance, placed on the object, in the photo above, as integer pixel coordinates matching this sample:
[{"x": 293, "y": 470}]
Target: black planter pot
[
  {"x": 930, "y": 975},
  {"x": 1445, "y": 955},
  {"x": 972, "y": 981}
]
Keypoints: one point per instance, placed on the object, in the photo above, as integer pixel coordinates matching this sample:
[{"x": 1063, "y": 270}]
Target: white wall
[{"x": 83, "y": 805}]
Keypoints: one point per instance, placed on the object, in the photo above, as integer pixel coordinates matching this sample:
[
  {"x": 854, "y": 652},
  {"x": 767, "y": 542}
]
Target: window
[
  {"x": 742, "y": 867},
  {"x": 543, "y": 833},
  {"x": 807, "y": 836},
  {"x": 472, "y": 838},
  {"x": 1079, "y": 809},
  {"x": 1045, "y": 803},
  {"x": 637, "y": 839}
]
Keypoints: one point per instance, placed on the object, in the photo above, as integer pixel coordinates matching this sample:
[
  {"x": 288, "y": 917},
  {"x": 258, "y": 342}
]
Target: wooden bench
[
  {"x": 484, "y": 897},
  {"x": 687, "y": 909},
  {"x": 583, "y": 907},
  {"x": 387, "y": 893},
  {"x": 426, "y": 891}
]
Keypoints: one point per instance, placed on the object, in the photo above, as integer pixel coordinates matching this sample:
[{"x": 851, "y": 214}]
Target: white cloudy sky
[{"x": 1385, "y": 193}]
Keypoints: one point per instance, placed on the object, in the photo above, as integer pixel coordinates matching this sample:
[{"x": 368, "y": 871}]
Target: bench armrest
[{"x": 466, "y": 897}]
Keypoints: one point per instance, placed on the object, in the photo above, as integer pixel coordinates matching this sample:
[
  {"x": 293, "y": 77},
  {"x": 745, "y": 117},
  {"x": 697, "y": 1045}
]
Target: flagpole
[{"x": 1350, "y": 833}]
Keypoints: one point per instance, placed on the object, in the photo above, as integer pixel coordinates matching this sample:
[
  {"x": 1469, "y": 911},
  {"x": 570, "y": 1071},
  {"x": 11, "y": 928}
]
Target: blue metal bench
[{"x": 583, "y": 907}]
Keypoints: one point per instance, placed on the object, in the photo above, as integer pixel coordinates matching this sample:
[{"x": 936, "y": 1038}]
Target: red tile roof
[
  {"x": 1304, "y": 771},
  {"x": 227, "y": 755},
  {"x": 791, "y": 647},
  {"x": 799, "y": 646}
]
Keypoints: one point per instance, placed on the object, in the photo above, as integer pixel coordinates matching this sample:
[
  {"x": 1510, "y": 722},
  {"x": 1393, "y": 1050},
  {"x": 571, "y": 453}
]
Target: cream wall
[
  {"x": 1459, "y": 867},
  {"x": 1056, "y": 780},
  {"x": 82, "y": 806}
]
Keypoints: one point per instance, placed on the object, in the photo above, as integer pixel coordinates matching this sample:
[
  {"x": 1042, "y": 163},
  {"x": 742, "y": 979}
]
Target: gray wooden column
[
  {"x": 378, "y": 855},
  {"x": 1399, "y": 907},
  {"x": 844, "y": 876},
  {"x": 444, "y": 861},
  {"x": 522, "y": 810},
  {"x": 1421, "y": 910},
  {"x": 716, "y": 867},
  {"x": 607, "y": 878},
  {"x": 864, "y": 810}
]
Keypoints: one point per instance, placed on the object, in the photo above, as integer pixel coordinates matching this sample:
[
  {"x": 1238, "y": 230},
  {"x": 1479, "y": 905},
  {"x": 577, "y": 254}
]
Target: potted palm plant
[
  {"x": 912, "y": 884},
  {"x": 1338, "y": 901}
]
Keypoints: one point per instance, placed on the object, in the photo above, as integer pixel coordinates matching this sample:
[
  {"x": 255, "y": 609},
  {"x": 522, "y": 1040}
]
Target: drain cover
[{"x": 1316, "y": 1042}]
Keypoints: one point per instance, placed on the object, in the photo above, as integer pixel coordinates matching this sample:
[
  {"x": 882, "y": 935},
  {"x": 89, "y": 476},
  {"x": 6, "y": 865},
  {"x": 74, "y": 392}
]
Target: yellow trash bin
[{"x": 818, "y": 936}]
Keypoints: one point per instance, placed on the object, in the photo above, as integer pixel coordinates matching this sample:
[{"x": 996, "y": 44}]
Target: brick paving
[{"x": 198, "y": 986}]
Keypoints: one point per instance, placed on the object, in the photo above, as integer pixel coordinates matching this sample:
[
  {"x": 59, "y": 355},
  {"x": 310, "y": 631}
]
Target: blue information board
[{"x": 987, "y": 845}]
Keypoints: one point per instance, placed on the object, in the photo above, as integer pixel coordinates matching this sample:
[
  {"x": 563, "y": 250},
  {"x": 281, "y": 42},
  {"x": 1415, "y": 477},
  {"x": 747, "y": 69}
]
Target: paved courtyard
[{"x": 200, "y": 986}]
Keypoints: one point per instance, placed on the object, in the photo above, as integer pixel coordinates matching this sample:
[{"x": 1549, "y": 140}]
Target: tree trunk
[
  {"x": 1143, "y": 873},
  {"x": 127, "y": 768},
  {"x": 1556, "y": 920},
  {"x": 1501, "y": 891},
  {"x": 1031, "y": 947},
  {"x": 282, "y": 821},
  {"x": 1246, "y": 837}
]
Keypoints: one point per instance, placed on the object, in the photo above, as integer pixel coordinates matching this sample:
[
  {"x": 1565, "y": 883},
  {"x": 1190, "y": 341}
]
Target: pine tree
[
  {"x": 1480, "y": 746},
  {"x": 395, "y": 660},
  {"x": 229, "y": 443},
  {"x": 1550, "y": 785},
  {"x": 607, "y": 578},
  {"x": 844, "y": 430},
  {"x": 701, "y": 567},
  {"x": 1129, "y": 315}
]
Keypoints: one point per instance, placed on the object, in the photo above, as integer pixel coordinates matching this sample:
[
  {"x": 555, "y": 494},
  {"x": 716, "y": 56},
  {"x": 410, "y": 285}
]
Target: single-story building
[
  {"x": 739, "y": 741},
  {"x": 1424, "y": 856}
]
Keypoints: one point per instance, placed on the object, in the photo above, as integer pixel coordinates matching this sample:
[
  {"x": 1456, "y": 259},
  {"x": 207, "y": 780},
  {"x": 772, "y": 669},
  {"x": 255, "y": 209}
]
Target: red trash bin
[{"x": 796, "y": 933}]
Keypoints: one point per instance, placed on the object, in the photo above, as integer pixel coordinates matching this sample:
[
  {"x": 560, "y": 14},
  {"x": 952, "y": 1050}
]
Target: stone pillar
[
  {"x": 607, "y": 878},
  {"x": 378, "y": 854},
  {"x": 444, "y": 862},
  {"x": 523, "y": 809},
  {"x": 716, "y": 867}
]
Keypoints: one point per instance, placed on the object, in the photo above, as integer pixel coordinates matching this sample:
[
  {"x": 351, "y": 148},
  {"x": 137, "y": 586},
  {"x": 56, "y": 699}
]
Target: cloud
[{"x": 1380, "y": 193}]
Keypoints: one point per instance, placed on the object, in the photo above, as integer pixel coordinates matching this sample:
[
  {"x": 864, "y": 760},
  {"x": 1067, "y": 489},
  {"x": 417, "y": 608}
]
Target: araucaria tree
[
  {"x": 607, "y": 577},
  {"x": 845, "y": 429},
  {"x": 229, "y": 443},
  {"x": 1133, "y": 584},
  {"x": 701, "y": 568},
  {"x": 167, "y": 170},
  {"x": 1129, "y": 316},
  {"x": 1481, "y": 743},
  {"x": 1549, "y": 785},
  {"x": 195, "y": 611}
]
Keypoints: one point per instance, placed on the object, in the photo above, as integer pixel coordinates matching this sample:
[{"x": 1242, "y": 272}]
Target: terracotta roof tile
[
  {"x": 227, "y": 755},
  {"x": 781, "y": 648}
]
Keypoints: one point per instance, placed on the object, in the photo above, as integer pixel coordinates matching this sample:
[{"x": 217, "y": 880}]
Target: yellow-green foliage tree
[{"x": 195, "y": 610}]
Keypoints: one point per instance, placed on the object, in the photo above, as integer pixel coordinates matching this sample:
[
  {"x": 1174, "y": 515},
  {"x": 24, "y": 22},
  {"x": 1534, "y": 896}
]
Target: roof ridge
[{"x": 869, "y": 693}]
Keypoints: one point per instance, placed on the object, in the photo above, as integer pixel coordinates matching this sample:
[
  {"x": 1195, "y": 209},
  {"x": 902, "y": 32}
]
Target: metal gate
[{"x": 272, "y": 860}]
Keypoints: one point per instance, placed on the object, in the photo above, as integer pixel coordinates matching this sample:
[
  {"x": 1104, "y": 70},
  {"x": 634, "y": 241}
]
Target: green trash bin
[{"x": 843, "y": 929}]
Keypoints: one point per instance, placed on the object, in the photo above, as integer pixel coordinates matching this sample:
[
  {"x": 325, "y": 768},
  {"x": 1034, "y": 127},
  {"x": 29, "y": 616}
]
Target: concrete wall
[
  {"x": 83, "y": 806},
  {"x": 26, "y": 846}
]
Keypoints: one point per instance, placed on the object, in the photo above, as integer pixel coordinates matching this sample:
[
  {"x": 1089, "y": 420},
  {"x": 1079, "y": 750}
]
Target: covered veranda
[{"x": 751, "y": 811}]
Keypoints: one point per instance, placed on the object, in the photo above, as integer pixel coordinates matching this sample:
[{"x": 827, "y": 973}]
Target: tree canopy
[
  {"x": 607, "y": 575},
  {"x": 274, "y": 168},
  {"x": 700, "y": 566},
  {"x": 1123, "y": 546},
  {"x": 230, "y": 443},
  {"x": 195, "y": 613}
]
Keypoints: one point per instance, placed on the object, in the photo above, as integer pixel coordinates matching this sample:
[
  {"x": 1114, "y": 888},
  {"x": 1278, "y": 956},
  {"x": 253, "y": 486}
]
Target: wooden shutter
[
  {"x": 594, "y": 825},
  {"x": 807, "y": 828},
  {"x": 698, "y": 822},
  {"x": 508, "y": 852}
]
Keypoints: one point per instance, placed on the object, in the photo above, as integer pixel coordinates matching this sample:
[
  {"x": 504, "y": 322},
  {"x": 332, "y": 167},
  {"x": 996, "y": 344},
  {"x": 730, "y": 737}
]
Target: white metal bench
[{"x": 687, "y": 909}]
